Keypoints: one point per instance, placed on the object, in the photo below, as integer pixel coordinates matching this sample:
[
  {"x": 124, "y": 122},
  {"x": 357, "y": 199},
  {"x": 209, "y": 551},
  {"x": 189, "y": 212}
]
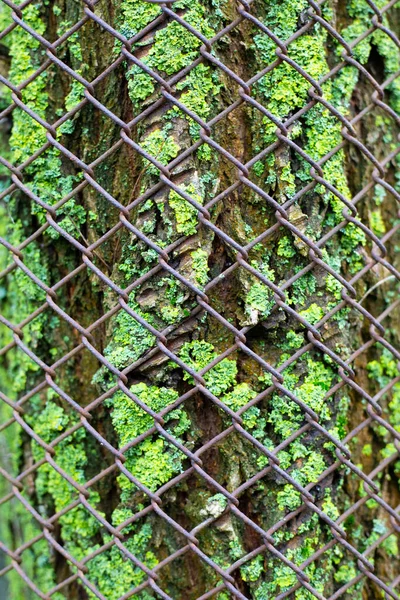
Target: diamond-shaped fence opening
[{"x": 199, "y": 314}]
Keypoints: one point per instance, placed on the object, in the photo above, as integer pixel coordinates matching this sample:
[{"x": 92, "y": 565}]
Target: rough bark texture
[{"x": 164, "y": 302}]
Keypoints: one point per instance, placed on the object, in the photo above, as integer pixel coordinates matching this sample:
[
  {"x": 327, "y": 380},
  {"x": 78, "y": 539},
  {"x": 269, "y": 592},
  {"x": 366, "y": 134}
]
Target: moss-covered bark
[{"x": 196, "y": 337}]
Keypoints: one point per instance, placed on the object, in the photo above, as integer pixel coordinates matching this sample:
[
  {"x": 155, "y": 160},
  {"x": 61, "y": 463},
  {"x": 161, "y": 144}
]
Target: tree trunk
[{"x": 224, "y": 240}]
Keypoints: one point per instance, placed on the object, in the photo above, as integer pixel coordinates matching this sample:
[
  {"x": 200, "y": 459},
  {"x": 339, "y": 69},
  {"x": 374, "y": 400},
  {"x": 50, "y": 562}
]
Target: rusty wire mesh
[{"x": 17, "y": 484}]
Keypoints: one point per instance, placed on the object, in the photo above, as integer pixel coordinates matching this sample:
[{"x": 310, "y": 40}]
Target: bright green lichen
[
  {"x": 173, "y": 48},
  {"x": 284, "y": 91},
  {"x": 140, "y": 85},
  {"x": 362, "y": 14},
  {"x": 197, "y": 355},
  {"x": 289, "y": 498},
  {"x": 302, "y": 289},
  {"x": 285, "y": 415},
  {"x": 382, "y": 371},
  {"x": 367, "y": 450},
  {"x": 285, "y": 247},
  {"x": 294, "y": 340},
  {"x": 345, "y": 573},
  {"x": 78, "y": 525},
  {"x": 161, "y": 146},
  {"x": 185, "y": 213},
  {"x": 197, "y": 88},
  {"x": 44, "y": 176},
  {"x": 200, "y": 266},
  {"x": 259, "y": 299},
  {"x": 114, "y": 574},
  {"x": 377, "y": 223},
  {"x": 18, "y": 298},
  {"x": 239, "y": 397},
  {"x": 21, "y": 297},
  {"x": 252, "y": 570},
  {"x": 302, "y": 545},
  {"x": 28, "y": 135},
  {"x": 153, "y": 461},
  {"x": 135, "y": 15},
  {"x": 130, "y": 340},
  {"x": 312, "y": 314}
]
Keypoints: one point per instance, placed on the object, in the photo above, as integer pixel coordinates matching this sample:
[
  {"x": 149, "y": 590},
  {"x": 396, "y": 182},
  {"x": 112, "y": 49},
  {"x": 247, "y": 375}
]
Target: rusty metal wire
[{"x": 372, "y": 409}]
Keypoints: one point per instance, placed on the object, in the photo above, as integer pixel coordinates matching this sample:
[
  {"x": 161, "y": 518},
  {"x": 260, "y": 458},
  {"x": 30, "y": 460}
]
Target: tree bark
[{"x": 203, "y": 251}]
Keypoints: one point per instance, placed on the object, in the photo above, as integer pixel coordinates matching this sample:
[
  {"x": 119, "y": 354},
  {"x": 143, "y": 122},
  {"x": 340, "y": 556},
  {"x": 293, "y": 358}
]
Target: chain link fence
[{"x": 305, "y": 501}]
